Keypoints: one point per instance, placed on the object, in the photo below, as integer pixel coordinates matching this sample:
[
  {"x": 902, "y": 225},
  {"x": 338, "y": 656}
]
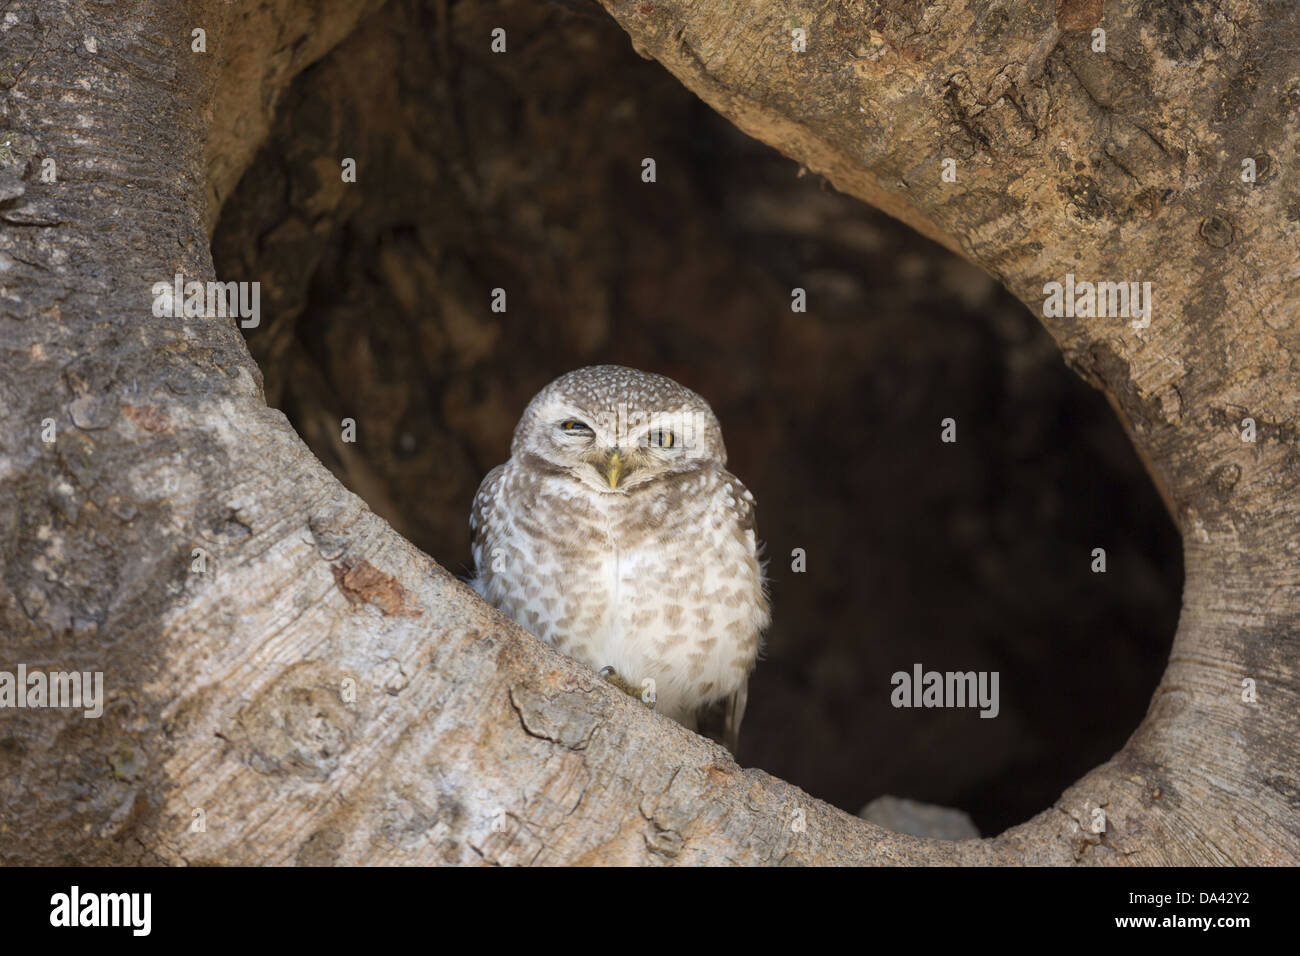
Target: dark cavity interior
[{"x": 523, "y": 171}]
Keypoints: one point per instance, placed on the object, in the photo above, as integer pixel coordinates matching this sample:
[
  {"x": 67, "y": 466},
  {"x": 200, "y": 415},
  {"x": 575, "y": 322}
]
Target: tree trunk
[{"x": 230, "y": 689}]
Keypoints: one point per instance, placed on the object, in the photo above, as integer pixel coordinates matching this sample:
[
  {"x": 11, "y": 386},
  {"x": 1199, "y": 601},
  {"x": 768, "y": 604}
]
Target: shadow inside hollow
[{"x": 523, "y": 172}]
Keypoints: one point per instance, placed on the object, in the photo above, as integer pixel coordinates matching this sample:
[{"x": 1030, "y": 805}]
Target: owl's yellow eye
[
  {"x": 574, "y": 426},
  {"x": 662, "y": 438}
]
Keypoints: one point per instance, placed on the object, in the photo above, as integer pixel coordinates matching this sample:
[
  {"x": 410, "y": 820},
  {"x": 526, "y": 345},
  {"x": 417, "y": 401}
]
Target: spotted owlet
[{"x": 616, "y": 534}]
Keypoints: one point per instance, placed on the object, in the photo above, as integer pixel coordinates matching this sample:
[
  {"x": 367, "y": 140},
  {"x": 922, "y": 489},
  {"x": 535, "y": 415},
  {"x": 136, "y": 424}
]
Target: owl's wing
[
  {"x": 735, "y": 713},
  {"x": 743, "y": 509},
  {"x": 482, "y": 520},
  {"x": 720, "y": 720}
]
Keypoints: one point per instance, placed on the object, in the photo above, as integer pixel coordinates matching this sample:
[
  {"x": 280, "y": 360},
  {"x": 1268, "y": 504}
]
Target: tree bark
[{"x": 468, "y": 740}]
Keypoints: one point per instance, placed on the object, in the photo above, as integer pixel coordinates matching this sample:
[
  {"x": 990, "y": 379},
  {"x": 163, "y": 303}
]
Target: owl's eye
[
  {"x": 573, "y": 427},
  {"x": 662, "y": 438}
]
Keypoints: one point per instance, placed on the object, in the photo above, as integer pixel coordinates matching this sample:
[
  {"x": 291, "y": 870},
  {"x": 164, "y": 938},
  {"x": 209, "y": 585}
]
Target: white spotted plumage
[{"x": 659, "y": 577}]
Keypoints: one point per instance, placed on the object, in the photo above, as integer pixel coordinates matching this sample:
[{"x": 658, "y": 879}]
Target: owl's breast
[
  {"x": 661, "y": 584},
  {"x": 683, "y": 593}
]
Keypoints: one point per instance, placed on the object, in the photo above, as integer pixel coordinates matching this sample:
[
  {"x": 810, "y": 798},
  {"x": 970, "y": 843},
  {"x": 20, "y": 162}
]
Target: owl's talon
[{"x": 614, "y": 678}]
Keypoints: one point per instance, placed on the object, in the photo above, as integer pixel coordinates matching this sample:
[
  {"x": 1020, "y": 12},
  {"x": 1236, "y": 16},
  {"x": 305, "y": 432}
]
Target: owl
[{"x": 616, "y": 534}]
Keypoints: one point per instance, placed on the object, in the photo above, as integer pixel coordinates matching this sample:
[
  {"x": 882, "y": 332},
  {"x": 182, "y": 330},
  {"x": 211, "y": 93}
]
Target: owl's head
[{"x": 616, "y": 429}]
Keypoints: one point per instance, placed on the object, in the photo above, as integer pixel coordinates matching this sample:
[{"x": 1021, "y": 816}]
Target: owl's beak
[{"x": 613, "y": 468}]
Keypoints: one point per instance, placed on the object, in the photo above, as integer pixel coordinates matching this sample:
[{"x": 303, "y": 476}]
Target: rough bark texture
[{"x": 469, "y": 741}]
